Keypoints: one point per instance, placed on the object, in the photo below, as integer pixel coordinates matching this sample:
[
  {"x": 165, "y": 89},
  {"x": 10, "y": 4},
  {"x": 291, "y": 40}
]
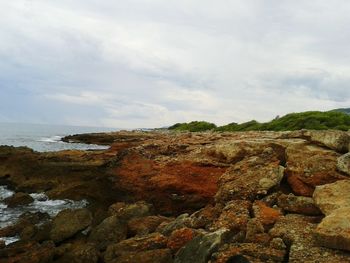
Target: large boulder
[
  {"x": 111, "y": 230},
  {"x": 249, "y": 178},
  {"x": 81, "y": 253},
  {"x": 334, "y": 230},
  {"x": 343, "y": 164},
  {"x": 330, "y": 197},
  {"x": 333, "y": 139},
  {"x": 18, "y": 199},
  {"x": 309, "y": 166},
  {"x": 200, "y": 249},
  {"x": 69, "y": 222}
]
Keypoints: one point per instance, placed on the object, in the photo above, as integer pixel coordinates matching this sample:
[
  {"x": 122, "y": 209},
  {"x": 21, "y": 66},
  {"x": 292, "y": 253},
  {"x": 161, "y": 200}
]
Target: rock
[
  {"x": 200, "y": 249},
  {"x": 249, "y": 253},
  {"x": 39, "y": 233},
  {"x": 18, "y": 199},
  {"x": 145, "y": 225},
  {"x": 343, "y": 163},
  {"x": 267, "y": 216},
  {"x": 297, "y": 232},
  {"x": 126, "y": 212},
  {"x": 180, "y": 237},
  {"x": 334, "y": 230},
  {"x": 27, "y": 252},
  {"x": 309, "y": 166},
  {"x": 68, "y": 223},
  {"x": 234, "y": 216},
  {"x": 336, "y": 140},
  {"x": 298, "y": 204},
  {"x": 249, "y": 178},
  {"x": 278, "y": 243},
  {"x": 330, "y": 197},
  {"x": 82, "y": 253},
  {"x": 204, "y": 217},
  {"x": 180, "y": 222},
  {"x": 134, "y": 245},
  {"x": 254, "y": 230},
  {"x": 111, "y": 230},
  {"x": 148, "y": 256}
]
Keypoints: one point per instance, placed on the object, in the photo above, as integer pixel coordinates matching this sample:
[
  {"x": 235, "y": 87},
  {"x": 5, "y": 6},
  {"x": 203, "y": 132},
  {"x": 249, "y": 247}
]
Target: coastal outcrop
[{"x": 184, "y": 197}]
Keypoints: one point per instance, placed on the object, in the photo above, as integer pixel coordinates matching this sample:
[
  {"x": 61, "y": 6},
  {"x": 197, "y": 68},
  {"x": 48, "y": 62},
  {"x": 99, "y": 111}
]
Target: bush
[{"x": 194, "y": 126}]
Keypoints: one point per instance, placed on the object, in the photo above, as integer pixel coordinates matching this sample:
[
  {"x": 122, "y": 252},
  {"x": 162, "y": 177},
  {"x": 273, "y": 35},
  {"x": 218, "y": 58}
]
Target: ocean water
[
  {"x": 45, "y": 138},
  {"x": 42, "y": 138}
]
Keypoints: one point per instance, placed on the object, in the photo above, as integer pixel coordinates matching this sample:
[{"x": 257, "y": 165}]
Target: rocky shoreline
[{"x": 185, "y": 197}]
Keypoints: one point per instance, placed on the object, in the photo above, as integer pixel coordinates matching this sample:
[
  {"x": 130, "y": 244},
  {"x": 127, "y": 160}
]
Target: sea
[{"x": 41, "y": 138}]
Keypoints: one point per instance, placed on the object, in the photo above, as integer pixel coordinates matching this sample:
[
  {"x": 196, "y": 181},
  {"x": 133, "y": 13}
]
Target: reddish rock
[
  {"x": 264, "y": 214},
  {"x": 180, "y": 237},
  {"x": 309, "y": 166},
  {"x": 205, "y": 217},
  {"x": 234, "y": 216},
  {"x": 145, "y": 225},
  {"x": 148, "y": 256}
]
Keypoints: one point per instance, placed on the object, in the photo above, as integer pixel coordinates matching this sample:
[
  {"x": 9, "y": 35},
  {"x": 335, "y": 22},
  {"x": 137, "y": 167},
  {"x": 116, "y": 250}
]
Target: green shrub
[{"x": 194, "y": 126}]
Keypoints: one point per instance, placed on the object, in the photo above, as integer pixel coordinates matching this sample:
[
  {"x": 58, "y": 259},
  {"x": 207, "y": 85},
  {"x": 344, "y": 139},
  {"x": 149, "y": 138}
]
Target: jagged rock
[
  {"x": 309, "y": 166},
  {"x": 83, "y": 253},
  {"x": 180, "y": 222},
  {"x": 180, "y": 237},
  {"x": 134, "y": 245},
  {"x": 147, "y": 256},
  {"x": 27, "y": 252},
  {"x": 254, "y": 231},
  {"x": 69, "y": 222},
  {"x": 330, "y": 197},
  {"x": 204, "y": 217},
  {"x": 126, "y": 212},
  {"x": 264, "y": 214},
  {"x": 249, "y": 178},
  {"x": 145, "y": 225},
  {"x": 298, "y": 204},
  {"x": 18, "y": 199},
  {"x": 234, "y": 216},
  {"x": 343, "y": 163},
  {"x": 249, "y": 253},
  {"x": 297, "y": 232},
  {"x": 111, "y": 230},
  {"x": 200, "y": 249},
  {"x": 336, "y": 140},
  {"x": 334, "y": 230}
]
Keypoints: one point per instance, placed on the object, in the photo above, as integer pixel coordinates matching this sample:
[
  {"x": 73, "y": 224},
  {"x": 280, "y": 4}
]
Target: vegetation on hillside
[
  {"x": 344, "y": 110},
  {"x": 312, "y": 120}
]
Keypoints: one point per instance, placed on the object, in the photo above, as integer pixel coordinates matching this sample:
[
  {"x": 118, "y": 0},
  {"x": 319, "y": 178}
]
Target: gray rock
[
  {"x": 200, "y": 249},
  {"x": 343, "y": 163}
]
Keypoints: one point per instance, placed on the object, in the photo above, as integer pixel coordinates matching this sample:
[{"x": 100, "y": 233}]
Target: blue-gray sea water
[{"x": 42, "y": 138}]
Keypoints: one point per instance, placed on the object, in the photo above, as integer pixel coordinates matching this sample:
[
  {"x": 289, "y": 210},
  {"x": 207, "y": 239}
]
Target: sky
[{"x": 152, "y": 63}]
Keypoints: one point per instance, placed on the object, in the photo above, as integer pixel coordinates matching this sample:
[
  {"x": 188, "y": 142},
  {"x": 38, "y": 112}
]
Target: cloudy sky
[{"x": 151, "y": 63}]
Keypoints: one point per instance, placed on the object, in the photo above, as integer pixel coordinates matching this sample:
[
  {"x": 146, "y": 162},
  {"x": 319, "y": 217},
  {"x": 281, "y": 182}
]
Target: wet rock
[
  {"x": 330, "y": 197},
  {"x": 298, "y": 204},
  {"x": 18, "y": 199},
  {"x": 234, "y": 216},
  {"x": 200, "y": 249},
  {"x": 27, "y": 252},
  {"x": 309, "y": 166},
  {"x": 343, "y": 163},
  {"x": 180, "y": 237},
  {"x": 145, "y": 225},
  {"x": 111, "y": 230},
  {"x": 69, "y": 222},
  {"x": 134, "y": 245},
  {"x": 336, "y": 140},
  {"x": 148, "y": 256},
  {"x": 39, "y": 233},
  {"x": 249, "y": 253},
  {"x": 249, "y": 178},
  {"x": 267, "y": 216}
]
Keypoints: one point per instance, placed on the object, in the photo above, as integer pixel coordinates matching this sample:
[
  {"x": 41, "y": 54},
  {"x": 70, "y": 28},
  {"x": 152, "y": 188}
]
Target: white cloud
[{"x": 151, "y": 63}]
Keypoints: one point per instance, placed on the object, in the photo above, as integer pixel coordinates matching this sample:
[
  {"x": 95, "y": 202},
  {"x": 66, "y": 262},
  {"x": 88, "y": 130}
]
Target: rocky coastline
[{"x": 184, "y": 197}]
